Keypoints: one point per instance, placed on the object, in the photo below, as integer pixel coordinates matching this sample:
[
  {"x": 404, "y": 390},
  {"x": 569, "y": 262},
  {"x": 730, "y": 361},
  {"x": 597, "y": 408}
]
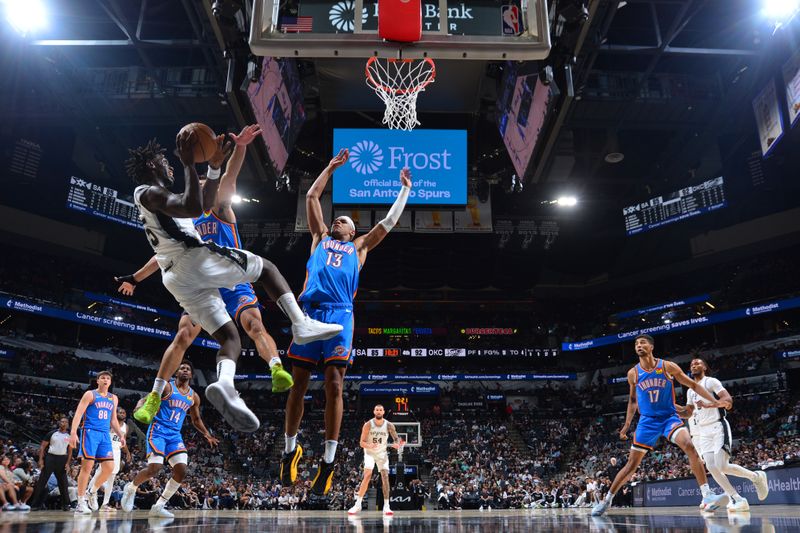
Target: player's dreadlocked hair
[{"x": 136, "y": 164}]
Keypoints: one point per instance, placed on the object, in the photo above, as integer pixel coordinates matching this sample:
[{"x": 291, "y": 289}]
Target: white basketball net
[{"x": 398, "y": 82}]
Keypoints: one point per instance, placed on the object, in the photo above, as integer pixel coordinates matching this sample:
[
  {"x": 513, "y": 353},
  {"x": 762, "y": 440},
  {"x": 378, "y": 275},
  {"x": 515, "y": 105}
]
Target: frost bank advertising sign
[
  {"x": 784, "y": 488},
  {"x": 437, "y": 159}
]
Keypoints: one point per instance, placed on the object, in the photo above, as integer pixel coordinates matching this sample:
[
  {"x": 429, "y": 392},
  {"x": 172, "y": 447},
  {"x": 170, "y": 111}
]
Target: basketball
[{"x": 206, "y": 143}]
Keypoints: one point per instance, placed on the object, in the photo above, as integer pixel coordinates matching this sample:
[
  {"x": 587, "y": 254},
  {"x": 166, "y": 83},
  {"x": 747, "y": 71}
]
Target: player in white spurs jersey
[
  {"x": 711, "y": 435},
  {"x": 117, "y": 448},
  {"x": 194, "y": 271},
  {"x": 375, "y": 439}
]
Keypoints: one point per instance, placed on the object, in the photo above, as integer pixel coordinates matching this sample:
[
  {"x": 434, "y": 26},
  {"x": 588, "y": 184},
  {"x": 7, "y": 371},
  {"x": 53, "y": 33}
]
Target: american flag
[{"x": 296, "y": 24}]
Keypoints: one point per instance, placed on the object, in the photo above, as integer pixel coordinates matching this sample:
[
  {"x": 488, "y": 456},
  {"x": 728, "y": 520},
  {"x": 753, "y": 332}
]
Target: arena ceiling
[{"x": 660, "y": 81}]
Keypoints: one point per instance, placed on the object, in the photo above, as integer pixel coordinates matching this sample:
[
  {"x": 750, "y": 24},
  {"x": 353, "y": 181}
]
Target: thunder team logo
[{"x": 366, "y": 157}]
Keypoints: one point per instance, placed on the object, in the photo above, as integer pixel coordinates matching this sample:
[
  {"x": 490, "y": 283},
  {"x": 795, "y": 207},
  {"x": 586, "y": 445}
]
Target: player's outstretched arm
[
  {"x": 676, "y": 372},
  {"x": 197, "y": 422},
  {"x": 715, "y": 386},
  {"x": 86, "y": 399},
  {"x": 684, "y": 411},
  {"x": 128, "y": 283},
  {"x": 227, "y": 185},
  {"x": 211, "y": 186},
  {"x": 632, "y": 405},
  {"x": 367, "y": 242},
  {"x": 188, "y": 204},
  {"x": 316, "y": 221}
]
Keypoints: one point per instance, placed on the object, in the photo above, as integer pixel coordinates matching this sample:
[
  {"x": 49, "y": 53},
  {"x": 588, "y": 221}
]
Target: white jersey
[
  {"x": 116, "y": 443},
  {"x": 705, "y": 416},
  {"x": 169, "y": 237},
  {"x": 378, "y": 435}
]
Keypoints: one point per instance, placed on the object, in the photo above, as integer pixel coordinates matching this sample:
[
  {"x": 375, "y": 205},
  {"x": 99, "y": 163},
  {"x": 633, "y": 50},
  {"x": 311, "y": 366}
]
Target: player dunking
[
  {"x": 118, "y": 447},
  {"x": 331, "y": 283},
  {"x": 652, "y": 390},
  {"x": 95, "y": 415},
  {"x": 164, "y": 440},
  {"x": 374, "y": 439},
  {"x": 711, "y": 435},
  {"x": 194, "y": 271},
  {"x": 217, "y": 225}
]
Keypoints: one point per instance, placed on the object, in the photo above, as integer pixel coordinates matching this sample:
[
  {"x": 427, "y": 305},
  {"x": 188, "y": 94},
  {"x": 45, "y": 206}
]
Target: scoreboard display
[
  {"x": 100, "y": 201},
  {"x": 679, "y": 205}
]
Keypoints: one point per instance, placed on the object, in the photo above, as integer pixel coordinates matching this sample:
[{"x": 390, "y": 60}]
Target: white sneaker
[
  {"x": 355, "y": 509},
  {"x": 159, "y": 511},
  {"x": 82, "y": 508},
  {"x": 91, "y": 500},
  {"x": 489, "y": 508},
  {"x": 387, "y": 511},
  {"x": 741, "y": 506},
  {"x": 128, "y": 496},
  {"x": 480, "y": 508},
  {"x": 762, "y": 487},
  {"x": 310, "y": 330},
  {"x": 224, "y": 396},
  {"x": 9, "y": 507},
  {"x": 23, "y": 507}
]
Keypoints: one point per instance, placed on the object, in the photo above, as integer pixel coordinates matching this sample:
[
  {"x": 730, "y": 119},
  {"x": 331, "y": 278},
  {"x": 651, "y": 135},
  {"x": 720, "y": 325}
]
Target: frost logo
[
  {"x": 342, "y": 15},
  {"x": 366, "y": 157}
]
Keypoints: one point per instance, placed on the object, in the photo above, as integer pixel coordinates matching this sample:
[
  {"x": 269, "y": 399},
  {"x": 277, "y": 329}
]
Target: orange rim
[{"x": 387, "y": 89}]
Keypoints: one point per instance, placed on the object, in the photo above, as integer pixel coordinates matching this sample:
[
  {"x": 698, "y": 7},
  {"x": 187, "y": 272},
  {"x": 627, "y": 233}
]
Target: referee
[{"x": 56, "y": 443}]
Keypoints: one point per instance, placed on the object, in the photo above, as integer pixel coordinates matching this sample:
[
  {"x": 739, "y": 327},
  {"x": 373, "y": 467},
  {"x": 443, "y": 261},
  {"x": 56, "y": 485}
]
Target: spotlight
[
  {"x": 26, "y": 16},
  {"x": 118, "y": 318},
  {"x": 236, "y": 199},
  {"x": 567, "y": 201},
  {"x": 781, "y": 10}
]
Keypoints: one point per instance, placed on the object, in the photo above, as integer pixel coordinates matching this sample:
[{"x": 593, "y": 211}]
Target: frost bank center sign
[{"x": 437, "y": 159}]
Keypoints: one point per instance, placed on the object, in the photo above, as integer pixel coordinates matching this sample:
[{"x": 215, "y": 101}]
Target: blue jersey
[
  {"x": 655, "y": 392},
  {"x": 331, "y": 273},
  {"x": 98, "y": 413},
  {"x": 212, "y": 228},
  {"x": 171, "y": 414}
]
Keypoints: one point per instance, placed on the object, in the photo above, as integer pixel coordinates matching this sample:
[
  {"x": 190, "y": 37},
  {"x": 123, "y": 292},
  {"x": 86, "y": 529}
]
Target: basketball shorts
[
  {"x": 117, "y": 458},
  {"x": 650, "y": 429},
  {"x": 381, "y": 459},
  {"x": 712, "y": 438},
  {"x": 335, "y": 351},
  {"x": 194, "y": 279},
  {"x": 164, "y": 443},
  {"x": 242, "y": 297},
  {"x": 95, "y": 445}
]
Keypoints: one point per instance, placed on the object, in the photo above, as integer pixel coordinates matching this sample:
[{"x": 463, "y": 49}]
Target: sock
[
  {"x": 169, "y": 490},
  {"x": 330, "y": 450},
  {"x": 705, "y": 490},
  {"x": 108, "y": 487},
  {"x": 289, "y": 306},
  {"x": 386, "y": 503},
  {"x": 226, "y": 369},
  {"x": 359, "y": 499},
  {"x": 609, "y": 497},
  {"x": 134, "y": 485},
  {"x": 159, "y": 385},
  {"x": 291, "y": 443},
  {"x": 275, "y": 361}
]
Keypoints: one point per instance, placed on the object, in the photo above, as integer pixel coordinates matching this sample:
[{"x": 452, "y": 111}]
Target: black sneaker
[
  {"x": 289, "y": 466},
  {"x": 324, "y": 478}
]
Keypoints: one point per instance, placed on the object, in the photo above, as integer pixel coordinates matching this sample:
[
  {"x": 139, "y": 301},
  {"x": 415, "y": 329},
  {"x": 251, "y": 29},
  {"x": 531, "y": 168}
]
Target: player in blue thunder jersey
[
  {"x": 332, "y": 271},
  {"x": 217, "y": 225},
  {"x": 96, "y": 416},
  {"x": 652, "y": 390},
  {"x": 164, "y": 440}
]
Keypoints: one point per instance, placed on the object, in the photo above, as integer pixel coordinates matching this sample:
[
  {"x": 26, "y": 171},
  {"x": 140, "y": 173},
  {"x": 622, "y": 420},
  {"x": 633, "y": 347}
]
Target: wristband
[
  {"x": 127, "y": 279},
  {"x": 213, "y": 173}
]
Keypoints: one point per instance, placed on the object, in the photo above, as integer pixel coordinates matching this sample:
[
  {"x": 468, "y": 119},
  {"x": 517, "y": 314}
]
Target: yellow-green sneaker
[
  {"x": 281, "y": 379},
  {"x": 149, "y": 408}
]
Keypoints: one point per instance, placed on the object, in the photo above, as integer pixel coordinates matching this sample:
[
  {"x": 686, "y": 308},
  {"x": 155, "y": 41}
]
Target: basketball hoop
[{"x": 398, "y": 82}]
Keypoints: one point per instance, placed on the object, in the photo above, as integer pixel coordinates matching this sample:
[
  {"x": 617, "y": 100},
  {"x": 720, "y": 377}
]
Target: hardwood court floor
[{"x": 762, "y": 519}]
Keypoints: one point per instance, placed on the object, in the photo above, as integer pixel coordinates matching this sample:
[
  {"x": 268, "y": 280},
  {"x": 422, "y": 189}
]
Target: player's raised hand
[
  {"x": 127, "y": 284},
  {"x": 340, "y": 159},
  {"x": 212, "y": 440},
  {"x": 185, "y": 142},
  {"x": 405, "y": 177},
  {"x": 247, "y": 135},
  {"x": 623, "y": 433},
  {"x": 224, "y": 149}
]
